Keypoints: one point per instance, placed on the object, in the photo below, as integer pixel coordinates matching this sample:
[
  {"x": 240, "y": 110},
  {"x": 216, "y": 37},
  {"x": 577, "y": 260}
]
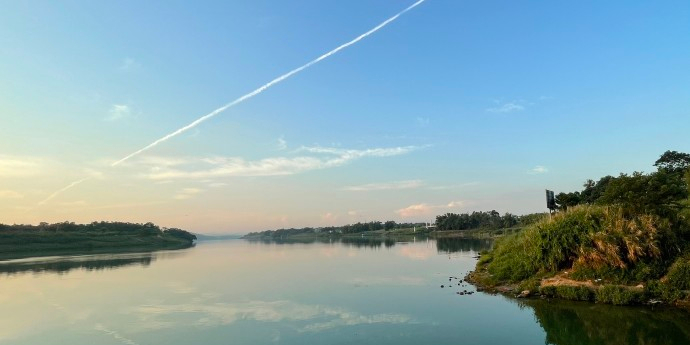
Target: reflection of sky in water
[{"x": 238, "y": 292}]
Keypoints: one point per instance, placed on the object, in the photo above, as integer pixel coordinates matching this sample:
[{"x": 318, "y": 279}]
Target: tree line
[
  {"x": 102, "y": 228},
  {"x": 355, "y": 228},
  {"x": 663, "y": 192}
]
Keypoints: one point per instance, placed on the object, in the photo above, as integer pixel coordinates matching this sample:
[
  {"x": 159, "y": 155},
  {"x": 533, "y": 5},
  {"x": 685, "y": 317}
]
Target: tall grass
[{"x": 584, "y": 238}]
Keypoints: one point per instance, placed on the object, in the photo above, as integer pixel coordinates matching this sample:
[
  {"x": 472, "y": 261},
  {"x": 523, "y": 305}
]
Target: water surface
[{"x": 357, "y": 291}]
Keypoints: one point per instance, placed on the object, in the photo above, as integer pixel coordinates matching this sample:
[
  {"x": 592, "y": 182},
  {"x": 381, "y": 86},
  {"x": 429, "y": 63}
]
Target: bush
[
  {"x": 618, "y": 295},
  {"x": 586, "y": 238},
  {"x": 679, "y": 274},
  {"x": 655, "y": 289},
  {"x": 573, "y": 293}
]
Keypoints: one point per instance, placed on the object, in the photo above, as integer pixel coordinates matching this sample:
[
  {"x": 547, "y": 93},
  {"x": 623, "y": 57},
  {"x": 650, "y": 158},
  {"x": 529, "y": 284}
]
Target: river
[{"x": 326, "y": 292}]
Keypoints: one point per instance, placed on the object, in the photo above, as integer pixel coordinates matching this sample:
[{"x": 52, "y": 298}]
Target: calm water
[{"x": 239, "y": 292}]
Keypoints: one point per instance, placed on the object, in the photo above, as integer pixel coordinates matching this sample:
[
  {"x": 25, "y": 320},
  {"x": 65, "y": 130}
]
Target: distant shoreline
[
  {"x": 395, "y": 233},
  {"x": 26, "y": 241}
]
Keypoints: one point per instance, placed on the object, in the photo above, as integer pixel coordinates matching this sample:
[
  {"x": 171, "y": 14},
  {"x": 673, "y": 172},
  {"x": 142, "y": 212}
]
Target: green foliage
[
  {"x": 180, "y": 234},
  {"x": 618, "y": 295},
  {"x": 572, "y": 293},
  {"x": 590, "y": 238},
  {"x": 356, "y": 228},
  {"x": 532, "y": 218},
  {"x": 673, "y": 161},
  {"x": 531, "y": 284},
  {"x": 679, "y": 274},
  {"x": 565, "y": 200},
  {"x": 476, "y": 220},
  {"x": 389, "y": 225},
  {"x": 660, "y": 193},
  {"x": 101, "y": 236},
  {"x": 655, "y": 289}
]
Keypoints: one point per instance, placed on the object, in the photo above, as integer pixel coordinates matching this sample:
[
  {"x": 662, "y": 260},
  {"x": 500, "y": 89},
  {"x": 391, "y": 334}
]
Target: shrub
[
  {"x": 573, "y": 293},
  {"x": 679, "y": 274},
  {"x": 587, "y": 238},
  {"x": 655, "y": 289},
  {"x": 618, "y": 295}
]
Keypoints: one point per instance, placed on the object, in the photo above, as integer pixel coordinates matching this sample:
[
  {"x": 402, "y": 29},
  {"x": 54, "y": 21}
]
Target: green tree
[{"x": 673, "y": 161}]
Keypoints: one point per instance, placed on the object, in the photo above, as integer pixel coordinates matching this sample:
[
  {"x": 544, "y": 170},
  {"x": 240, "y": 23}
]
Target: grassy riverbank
[
  {"x": 622, "y": 240},
  {"x": 19, "y": 241},
  {"x": 593, "y": 253}
]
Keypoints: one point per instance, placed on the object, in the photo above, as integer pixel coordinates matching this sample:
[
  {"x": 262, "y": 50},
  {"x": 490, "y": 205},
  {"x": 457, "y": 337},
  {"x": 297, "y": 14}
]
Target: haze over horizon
[{"x": 452, "y": 107}]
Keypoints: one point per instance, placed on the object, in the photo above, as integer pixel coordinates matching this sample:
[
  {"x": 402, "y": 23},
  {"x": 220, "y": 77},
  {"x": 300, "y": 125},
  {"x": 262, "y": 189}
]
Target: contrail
[
  {"x": 58, "y": 192},
  {"x": 247, "y": 96}
]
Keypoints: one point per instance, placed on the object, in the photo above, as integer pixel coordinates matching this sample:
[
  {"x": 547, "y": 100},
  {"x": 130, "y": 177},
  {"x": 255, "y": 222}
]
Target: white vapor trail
[
  {"x": 58, "y": 192},
  {"x": 246, "y": 96}
]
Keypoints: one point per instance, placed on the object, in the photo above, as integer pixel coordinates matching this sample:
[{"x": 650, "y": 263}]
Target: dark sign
[{"x": 550, "y": 200}]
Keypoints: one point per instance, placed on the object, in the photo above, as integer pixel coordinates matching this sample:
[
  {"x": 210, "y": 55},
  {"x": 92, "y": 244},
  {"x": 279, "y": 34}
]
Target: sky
[{"x": 454, "y": 106}]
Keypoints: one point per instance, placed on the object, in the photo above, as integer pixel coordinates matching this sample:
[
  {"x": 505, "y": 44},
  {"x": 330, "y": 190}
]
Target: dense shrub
[
  {"x": 618, "y": 295},
  {"x": 573, "y": 293},
  {"x": 588, "y": 238},
  {"x": 679, "y": 274}
]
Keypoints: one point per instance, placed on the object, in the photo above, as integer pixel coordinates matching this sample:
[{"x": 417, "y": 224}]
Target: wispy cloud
[
  {"x": 187, "y": 193},
  {"x": 129, "y": 64},
  {"x": 423, "y": 121},
  {"x": 17, "y": 166},
  {"x": 508, "y": 107},
  {"x": 409, "y": 184},
  {"x": 424, "y": 209},
  {"x": 539, "y": 169},
  {"x": 312, "y": 318},
  {"x": 329, "y": 217},
  {"x": 10, "y": 194},
  {"x": 118, "y": 112},
  {"x": 282, "y": 144},
  {"x": 162, "y": 168},
  {"x": 454, "y": 186}
]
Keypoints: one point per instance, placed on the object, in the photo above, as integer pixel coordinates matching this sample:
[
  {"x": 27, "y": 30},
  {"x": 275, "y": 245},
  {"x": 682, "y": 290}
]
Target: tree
[
  {"x": 660, "y": 193},
  {"x": 389, "y": 225},
  {"x": 673, "y": 161},
  {"x": 565, "y": 200}
]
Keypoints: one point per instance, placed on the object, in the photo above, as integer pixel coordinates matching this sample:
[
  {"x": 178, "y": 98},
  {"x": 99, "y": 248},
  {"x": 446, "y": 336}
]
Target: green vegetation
[
  {"x": 97, "y": 237},
  {"x": 619, "y": 232},
  {"x": 475, "y": 224},
  {"x": 484, "y": 220},
  {"x": 370, "y": 228},
  {"x": 572, "y": 323}
]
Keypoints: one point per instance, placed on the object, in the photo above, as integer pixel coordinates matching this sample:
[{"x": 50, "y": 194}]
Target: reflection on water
[
  {"x": 352, "y": 291},
  {"x": 368, "y": 242},
  {"x": 64, "y": 264},
  {"x": 572, "y": 323},
  {"x": 443, "y": 245},
  {"x": 454, "y": 245}
]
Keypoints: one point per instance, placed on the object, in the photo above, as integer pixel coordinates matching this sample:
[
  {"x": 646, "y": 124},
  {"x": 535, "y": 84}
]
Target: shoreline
[{"x": 561, "y": 288}]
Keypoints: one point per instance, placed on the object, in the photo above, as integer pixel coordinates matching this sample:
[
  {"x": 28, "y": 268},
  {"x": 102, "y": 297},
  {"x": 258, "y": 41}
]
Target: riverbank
[
  {"x": 22, "y": 241},
  {"x": 589, "y": 253},
  {"x": 390, "y": 234}
]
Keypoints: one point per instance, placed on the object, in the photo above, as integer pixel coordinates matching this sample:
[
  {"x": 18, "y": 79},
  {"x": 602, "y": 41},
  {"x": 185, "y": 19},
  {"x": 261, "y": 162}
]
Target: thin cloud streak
[
  {"x": 168, "y": 169},
  {"x": 409, "y": 184},
  {"x": 507, "y": 108},
  {"x": 247, "y": 96},
  {"x": 426, "y": 209},
  {"x": 60, "y": 191},
  {"x": 539, "y": 169}
]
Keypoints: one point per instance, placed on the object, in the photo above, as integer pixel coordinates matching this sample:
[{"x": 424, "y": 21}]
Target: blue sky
[{"x": 455, "y": 106}]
